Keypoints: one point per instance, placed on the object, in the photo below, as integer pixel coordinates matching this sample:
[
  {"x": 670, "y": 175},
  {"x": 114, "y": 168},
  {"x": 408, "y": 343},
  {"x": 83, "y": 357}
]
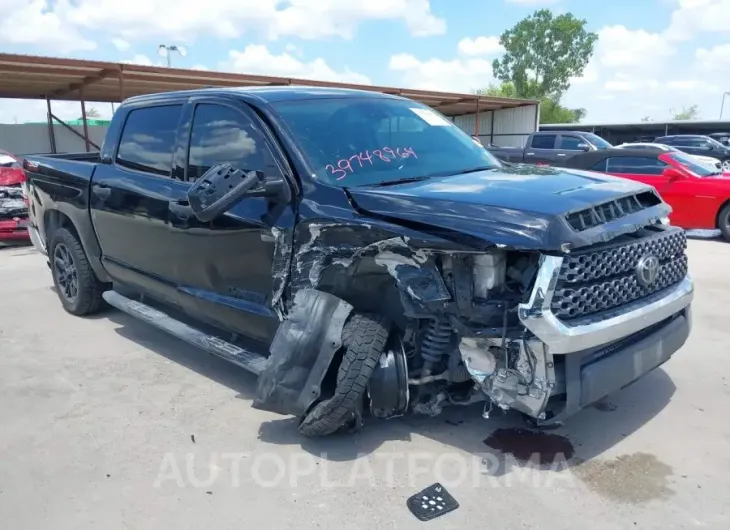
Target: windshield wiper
[
  {"x": 472, "y": 170},
  {"x": 399, "y": 181}
]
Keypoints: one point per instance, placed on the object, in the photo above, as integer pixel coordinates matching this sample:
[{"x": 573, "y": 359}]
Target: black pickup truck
[
  {"x": 363, "y": 256},
  {"x": 550, "y": 148}
]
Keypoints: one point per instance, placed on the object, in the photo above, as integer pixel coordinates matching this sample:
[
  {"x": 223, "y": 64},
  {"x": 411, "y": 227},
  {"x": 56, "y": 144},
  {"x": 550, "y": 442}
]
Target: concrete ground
[{"x": 107, "y": 423}]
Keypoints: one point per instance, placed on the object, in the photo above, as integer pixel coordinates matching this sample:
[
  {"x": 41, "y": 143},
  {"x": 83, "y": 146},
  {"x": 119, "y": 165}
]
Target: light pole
[
  {"x": 722, "y": 105},
  {"x": 165, "y": 51}
]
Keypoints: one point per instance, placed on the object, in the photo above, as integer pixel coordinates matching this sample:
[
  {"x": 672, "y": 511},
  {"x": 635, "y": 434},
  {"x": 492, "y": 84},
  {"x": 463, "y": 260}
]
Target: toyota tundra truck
[{"x": 362, "y": 256}]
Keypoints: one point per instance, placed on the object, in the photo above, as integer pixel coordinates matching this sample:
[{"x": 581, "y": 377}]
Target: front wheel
[
  {"x": 76, "y": 284},
  {"x": 726, "y": 166},
  {"x": 363, "y": 338}
]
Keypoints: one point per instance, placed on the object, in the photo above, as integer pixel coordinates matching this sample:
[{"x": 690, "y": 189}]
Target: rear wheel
[
  {"x": 76, "y": 284},
  {"x": 726, "y": 166},
  {"x": 364, "y": 338},
  {"x": 723, "y": 222}
]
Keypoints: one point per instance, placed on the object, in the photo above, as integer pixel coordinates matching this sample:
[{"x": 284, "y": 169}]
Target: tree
[
  {"x": 551, "y": 111},
  {"x": 691, "y": 113},
  {"x": 543, "y": 52},
  {"x": 92, "y": 113}
]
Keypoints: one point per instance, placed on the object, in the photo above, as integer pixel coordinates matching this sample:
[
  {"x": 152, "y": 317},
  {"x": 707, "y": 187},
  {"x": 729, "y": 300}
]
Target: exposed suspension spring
[{"x": 437, "y": 341}]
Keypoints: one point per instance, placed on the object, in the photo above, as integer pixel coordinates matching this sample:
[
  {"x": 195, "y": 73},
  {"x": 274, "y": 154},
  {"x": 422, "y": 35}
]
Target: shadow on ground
[{"x": 586, "y": 436}]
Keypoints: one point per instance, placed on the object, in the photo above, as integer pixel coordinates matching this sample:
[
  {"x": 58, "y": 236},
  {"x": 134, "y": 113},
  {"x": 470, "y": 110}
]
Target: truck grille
[{"x": 605, "y": 278}]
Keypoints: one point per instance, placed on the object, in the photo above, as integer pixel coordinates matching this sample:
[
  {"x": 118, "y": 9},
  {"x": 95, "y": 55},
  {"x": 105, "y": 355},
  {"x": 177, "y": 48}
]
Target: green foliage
[
  {"x": 551, "y": 111},
  {"x": 543, "y": 52},
  {"x": 691, "y": 113}
]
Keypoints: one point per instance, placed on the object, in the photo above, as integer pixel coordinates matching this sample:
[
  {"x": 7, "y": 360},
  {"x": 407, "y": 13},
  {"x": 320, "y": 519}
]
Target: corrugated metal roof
[{"x": 33, "y": 77}]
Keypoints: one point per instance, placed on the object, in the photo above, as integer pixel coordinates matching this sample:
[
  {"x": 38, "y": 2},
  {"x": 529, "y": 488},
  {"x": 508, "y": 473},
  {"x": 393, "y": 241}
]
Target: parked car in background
[
  {"x": 722, "y": 137},
  {"x": 13, "y": 209},
  {"x": 696, "y": 144},
  {"x": 551, "y": 148},
  {"x": 712, "y": 163},
  {"x": 11, "y": 170},
  {"x": 699, "y": 197}
]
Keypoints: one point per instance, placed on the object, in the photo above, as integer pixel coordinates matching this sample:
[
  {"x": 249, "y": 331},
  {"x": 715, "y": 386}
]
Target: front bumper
[
  {"x": 561, "y": 338},
  {"x": 14, "y": 230},
  {"x": 590, "y": 376}
]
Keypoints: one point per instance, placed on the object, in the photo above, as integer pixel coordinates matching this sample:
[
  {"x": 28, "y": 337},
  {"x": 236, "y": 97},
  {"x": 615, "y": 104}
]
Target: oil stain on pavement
[{"x": 632, "y": 478}]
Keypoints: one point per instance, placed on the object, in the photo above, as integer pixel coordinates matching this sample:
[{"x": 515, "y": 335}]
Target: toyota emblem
[{"x": 647, "y": 270}]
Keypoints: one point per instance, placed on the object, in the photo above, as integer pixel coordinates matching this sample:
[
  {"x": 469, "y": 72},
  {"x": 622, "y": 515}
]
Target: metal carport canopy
[{"x": 33, "y": 77}]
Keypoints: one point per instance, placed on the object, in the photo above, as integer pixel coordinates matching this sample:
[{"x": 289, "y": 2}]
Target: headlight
[{"x": 664, "y": 221}]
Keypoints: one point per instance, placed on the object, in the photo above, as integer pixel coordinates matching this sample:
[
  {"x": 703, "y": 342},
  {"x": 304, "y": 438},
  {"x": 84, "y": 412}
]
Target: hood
[{"x": 518, "y": 206}]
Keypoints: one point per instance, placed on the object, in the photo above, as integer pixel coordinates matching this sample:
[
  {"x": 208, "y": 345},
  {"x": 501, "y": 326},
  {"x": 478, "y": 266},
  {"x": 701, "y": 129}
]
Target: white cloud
[
  {"x": 141, "y": 60},
  {"x": 693, "y": 17},
  {"x": 714, "y": 60},
  {"x": 185, "y": 20},
  {"x": 641, "y": 70},
  {"x": 456, "y": 75},
  {"x": 32, "y": 22},
  {"x": 121, "y": 44},
  {"x": 257, "y": 59},
  {"x": 480, "y": 46}
]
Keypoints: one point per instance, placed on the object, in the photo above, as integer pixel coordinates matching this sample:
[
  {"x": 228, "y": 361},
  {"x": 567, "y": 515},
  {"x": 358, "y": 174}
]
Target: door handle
[
  {"x": 530, "y": 154},
  {"x": 560, "y": 154},
  {"x": 101, "y": 190}
]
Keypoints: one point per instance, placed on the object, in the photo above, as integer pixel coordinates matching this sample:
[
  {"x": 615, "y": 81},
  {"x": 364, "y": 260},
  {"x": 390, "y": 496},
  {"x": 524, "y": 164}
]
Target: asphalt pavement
[{"x": 106, "y": 423}]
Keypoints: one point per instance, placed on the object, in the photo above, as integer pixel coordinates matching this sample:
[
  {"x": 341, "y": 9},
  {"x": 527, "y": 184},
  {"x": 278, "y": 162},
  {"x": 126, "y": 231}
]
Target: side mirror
[
  {"x": 584, "y": 146},
  {"x": 672, "y": 173},
  {"x": 222, "y": 187}
]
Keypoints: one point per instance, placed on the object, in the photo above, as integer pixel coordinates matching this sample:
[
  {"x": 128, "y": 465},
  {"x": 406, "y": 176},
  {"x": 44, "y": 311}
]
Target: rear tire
[
  {"x": 76, "y": 284},
  {"x": 364, "y": 338},
  {"x": 723, "y": 222}
]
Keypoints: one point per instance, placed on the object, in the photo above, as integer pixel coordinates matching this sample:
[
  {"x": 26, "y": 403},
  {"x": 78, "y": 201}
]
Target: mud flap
[{"x": 301, "y": 353}]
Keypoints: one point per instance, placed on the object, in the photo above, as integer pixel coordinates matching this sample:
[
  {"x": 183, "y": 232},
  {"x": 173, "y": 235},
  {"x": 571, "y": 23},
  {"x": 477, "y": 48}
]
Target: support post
[
  {"x": 72, "y": 130},
  {"x": 491, "y": 129},
  {"x": 51, "y": 131},
  {"x": 476, "y": 119},
  {"x": 83, "y": 118},
  {"x": 121, "y": 83}
]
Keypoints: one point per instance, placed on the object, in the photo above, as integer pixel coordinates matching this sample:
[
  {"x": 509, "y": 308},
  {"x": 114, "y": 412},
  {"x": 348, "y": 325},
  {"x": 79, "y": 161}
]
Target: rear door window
[
  {"x": 148, "y": 139},
  {"x": 571, "y": 143},
  {"x": 636, "y": 165},
  {"x": 543, "y": 141}
]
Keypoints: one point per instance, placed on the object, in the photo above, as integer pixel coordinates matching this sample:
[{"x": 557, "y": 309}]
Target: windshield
[
  {"x": 359, "y": 142},
  {"x": 597, "y": 141},
  {"x": 695, "y": 167}
]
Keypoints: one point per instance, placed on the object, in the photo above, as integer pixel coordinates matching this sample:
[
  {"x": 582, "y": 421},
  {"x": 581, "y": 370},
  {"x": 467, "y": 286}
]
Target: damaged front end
[{"x": 545, "y": 333}]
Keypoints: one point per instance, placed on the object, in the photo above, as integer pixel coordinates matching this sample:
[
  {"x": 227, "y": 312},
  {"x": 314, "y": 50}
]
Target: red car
[
  {"x": 13, "y": 206},
  {"x": 699, "y": 195}
]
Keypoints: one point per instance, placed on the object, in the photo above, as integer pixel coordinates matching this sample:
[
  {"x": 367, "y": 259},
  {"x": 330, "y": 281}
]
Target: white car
[{"x": 707, "y": 161}]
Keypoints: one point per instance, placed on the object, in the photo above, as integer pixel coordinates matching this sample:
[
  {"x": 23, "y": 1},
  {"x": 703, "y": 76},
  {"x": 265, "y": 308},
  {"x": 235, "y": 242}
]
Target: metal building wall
[
  {"x": 505, "y": 127},
  {"x": 32, "y": 138}
]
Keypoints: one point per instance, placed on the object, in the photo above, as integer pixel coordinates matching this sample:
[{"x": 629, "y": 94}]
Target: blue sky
[{"x": 653, "y": 56}]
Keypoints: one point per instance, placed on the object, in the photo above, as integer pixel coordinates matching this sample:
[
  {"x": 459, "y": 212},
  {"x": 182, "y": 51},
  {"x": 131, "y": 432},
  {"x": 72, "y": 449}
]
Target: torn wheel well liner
[{"x": 301, "y": 353}]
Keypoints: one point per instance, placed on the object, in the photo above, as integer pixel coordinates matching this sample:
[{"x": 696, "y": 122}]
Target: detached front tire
[
  {"x": 723, "y": 222},
  {"x": 76, "y": 284},
  {"x": 364, "y": 338}
]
